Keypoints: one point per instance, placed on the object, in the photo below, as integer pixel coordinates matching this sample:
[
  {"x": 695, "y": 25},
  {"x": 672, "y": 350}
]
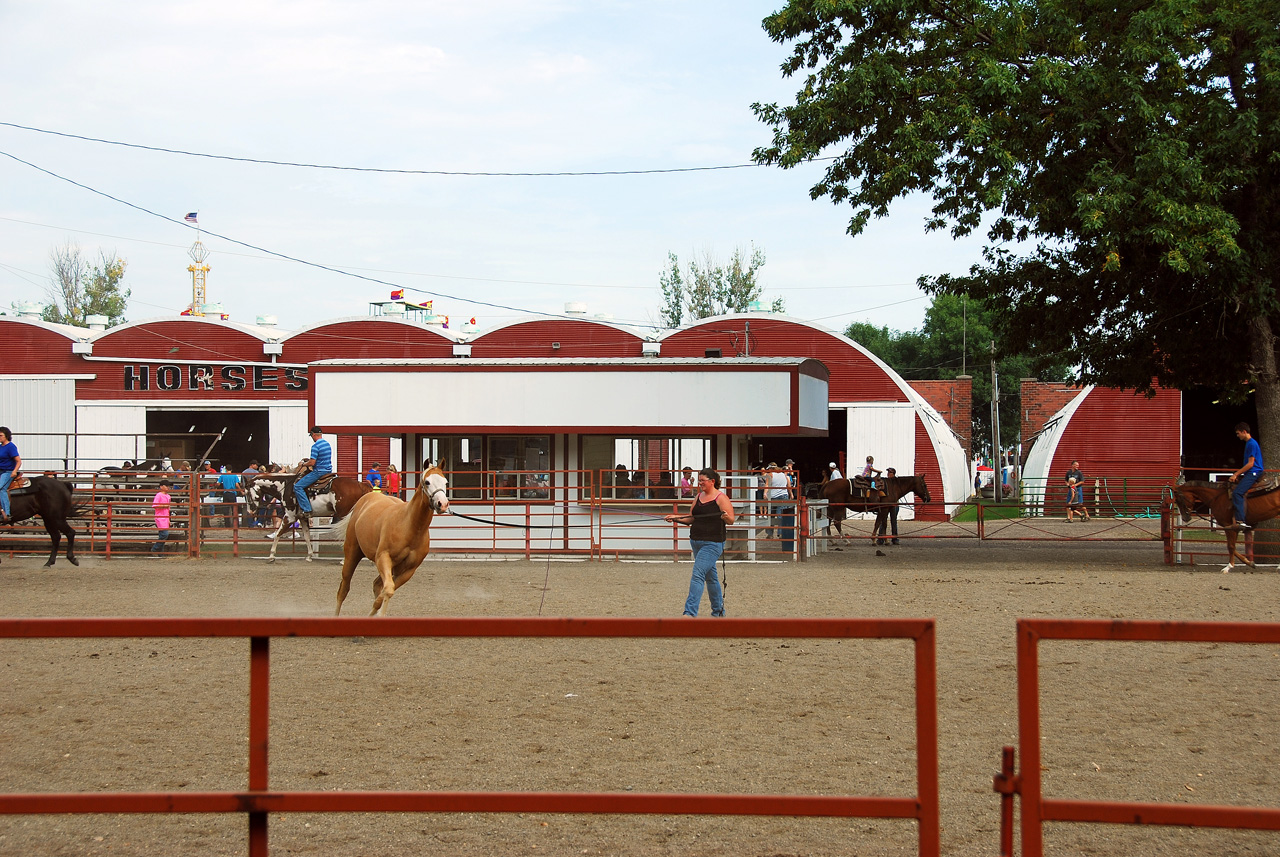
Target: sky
[{"x": 514, "y": 86}]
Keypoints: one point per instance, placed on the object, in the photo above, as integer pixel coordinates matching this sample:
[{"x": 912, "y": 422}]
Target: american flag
[{"x": 191, "y": 218}]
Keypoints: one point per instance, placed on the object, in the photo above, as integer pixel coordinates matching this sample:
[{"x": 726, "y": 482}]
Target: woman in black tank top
[{"x": 709, "y": 515}]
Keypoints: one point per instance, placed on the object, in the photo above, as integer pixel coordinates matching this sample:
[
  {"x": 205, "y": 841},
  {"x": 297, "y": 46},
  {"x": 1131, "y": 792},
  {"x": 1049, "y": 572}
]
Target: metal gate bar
[
  {"x": 259, "y": 800},
  {"x": 1036, "y": 809}
]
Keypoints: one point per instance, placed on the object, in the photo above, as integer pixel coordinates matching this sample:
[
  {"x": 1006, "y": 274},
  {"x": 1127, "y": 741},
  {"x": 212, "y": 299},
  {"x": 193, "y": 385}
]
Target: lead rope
[{"x": 546, "y": 581}]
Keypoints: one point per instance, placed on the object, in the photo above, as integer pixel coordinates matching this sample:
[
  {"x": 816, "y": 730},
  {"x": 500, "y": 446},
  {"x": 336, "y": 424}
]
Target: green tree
[
  {"x": 1122, "y": 159},
  {"x": 81, "y": 289},
  {"x": 707, "y": 287}
]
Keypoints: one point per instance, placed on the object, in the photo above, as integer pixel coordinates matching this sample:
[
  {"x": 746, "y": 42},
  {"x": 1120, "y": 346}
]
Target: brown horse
[
  {"x": 842, "y": 498},
  {"x": 335, "y": 501},
  {"x": 394, "y": 534},
  {"x": 1216, "y": 496}
]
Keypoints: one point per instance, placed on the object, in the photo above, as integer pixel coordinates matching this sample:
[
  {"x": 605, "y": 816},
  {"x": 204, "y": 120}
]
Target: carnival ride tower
[{"x": 199, "y": 272}]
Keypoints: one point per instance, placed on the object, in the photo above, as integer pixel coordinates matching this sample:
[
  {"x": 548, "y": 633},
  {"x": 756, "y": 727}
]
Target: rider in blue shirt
[
  {"x": 321, "y": 462},
  {"x": 1248, "y": 474},
  {"x": 10, "y": 464}
]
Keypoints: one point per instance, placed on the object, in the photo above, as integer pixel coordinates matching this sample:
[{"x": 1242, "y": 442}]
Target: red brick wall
[
  {"x": 952, "y": 399},
  {"x": 1041, "y": 400}
]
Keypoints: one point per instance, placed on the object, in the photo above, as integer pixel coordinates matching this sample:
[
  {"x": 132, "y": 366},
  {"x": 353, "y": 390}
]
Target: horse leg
[
  {"x": 305, "y": 523},
  {"x": 384, "y": 585},
  {"x": 275, "y": 538},
  {"x": 70, "y": 533},
  {"x": 351, "y": 557},
  {"x": 1231, "y": 551},
  {"x": 55, "y": 536}
]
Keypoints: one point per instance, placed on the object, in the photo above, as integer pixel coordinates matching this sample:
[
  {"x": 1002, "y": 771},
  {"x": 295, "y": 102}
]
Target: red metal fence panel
[
  {"x": 258, "y": 799},
  {"x": 1036, "y": 809}
]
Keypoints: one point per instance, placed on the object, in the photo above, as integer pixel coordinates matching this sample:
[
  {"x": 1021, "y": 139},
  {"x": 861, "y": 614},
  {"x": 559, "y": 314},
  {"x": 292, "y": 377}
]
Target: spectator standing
[
  {"x": 1075, "y": 493},
  {"x": 374, "y": 477},
  {"x": 779, "y": 510},
  {"x": 229, "y": 482},
  {"x": 161, "y": 504},
  {"x": 393, "y": 480},
  {"x": 686, "y": 482},
  {"x": 891, "y": 518}
]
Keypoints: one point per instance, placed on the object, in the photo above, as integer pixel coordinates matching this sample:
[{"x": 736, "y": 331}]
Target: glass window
[
  {"x": 520, "y": 466},
  {"x": 647, "y": 468}
]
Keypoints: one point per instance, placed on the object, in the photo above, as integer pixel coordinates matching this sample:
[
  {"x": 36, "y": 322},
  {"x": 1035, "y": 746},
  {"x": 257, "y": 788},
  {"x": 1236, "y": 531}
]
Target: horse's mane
[{"x": 1200, "y": 483}]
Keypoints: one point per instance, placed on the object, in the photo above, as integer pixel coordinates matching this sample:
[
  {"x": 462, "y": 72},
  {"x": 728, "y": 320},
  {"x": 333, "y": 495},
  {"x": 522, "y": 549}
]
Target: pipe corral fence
[
  {"x": 577, "y": 513},
  {"x": 1036, "y": 808},
  {"x": 258, "y": 800}
]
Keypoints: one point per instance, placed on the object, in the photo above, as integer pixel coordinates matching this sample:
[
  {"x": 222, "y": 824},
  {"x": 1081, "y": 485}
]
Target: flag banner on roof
[
  {"x": 191, "y": 218},
  {"x": 397, "y": 295}
]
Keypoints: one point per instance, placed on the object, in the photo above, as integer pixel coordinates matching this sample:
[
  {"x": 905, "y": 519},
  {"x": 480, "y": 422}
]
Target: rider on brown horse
[{"x": 1242, "y": 480}]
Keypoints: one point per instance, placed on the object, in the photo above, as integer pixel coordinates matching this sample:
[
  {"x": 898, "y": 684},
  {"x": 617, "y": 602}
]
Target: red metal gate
[
  {"x": 258, "y": 799},
  {"x": 1036, "y": 809}
]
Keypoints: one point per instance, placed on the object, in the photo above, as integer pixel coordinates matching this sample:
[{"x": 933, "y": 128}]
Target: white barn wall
[
  {"x": 110, "y": 434},
  {"x": 41, "y": 413},
  {"x": 289, "y": 440},
  {"x": 887, "y": 431},
  {"x": 557, "y": 398}
]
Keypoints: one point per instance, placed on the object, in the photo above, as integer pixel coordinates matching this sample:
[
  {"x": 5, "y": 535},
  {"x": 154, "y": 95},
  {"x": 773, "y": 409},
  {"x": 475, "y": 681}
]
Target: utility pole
[{"x": 997, "y": 454}]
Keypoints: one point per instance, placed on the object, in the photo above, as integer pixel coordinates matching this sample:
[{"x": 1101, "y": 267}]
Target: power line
[
  {"x": 287, "y": 257},
  {"x": 411, "y": 172}
]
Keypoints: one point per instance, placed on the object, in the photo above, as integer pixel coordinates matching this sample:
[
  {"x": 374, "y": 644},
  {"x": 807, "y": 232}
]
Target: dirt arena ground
[{"x": 1184, "y": 723}]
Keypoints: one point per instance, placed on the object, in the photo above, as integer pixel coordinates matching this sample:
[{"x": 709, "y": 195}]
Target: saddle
[
  {"x": 1266, "y": 483},
  {"x": 21, "y": 481},
  {"x": 866, "y": 488}
]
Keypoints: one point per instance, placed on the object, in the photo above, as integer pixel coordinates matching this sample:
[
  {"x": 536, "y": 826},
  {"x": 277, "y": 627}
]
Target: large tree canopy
[{"x": 1122, "y": 157}]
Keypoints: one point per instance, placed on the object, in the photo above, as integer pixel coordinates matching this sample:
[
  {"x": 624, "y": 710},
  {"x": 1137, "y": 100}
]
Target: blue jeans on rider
[
  {"x": 705, "y": 555},
  {"x": 1243, "y": 484},
  {"x": 300, "y": 490},
  {"x": 6, "y": 476}
]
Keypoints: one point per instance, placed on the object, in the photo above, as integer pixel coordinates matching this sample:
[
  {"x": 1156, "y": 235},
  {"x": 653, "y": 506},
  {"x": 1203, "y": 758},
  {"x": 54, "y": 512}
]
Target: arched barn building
[
  {"x": 1129, "y": 447},
  {"x": 83, "y": 399}
]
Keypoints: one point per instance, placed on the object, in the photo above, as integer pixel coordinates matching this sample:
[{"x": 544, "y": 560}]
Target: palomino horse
[
  {"x": 51, "y": 500},
  {"x": 841, "y": 498},
  {"x": 394, "y": 534},
  {"x": 335, "y": 501},
  {"x": 1217, "y": 497}
]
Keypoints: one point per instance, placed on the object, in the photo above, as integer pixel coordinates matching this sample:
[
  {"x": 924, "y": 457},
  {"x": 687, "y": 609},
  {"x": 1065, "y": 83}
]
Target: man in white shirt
[{"x": 778, "y": 492}]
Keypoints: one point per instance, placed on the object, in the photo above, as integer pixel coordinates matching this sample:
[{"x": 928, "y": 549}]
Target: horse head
[
  {"x": 1185, "y": 497},
  {"x": 261, "y": 488},
  {"x": 436, "y": 486},
  {"x": 921, "y": 488}
]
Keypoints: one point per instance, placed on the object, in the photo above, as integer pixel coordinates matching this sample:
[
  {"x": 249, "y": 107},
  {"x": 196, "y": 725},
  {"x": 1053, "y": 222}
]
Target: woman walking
[{"x": 709, "y": 515}]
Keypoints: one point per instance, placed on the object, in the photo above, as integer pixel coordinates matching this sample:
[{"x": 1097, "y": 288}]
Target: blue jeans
[
  {"x": 6, "y": 477},
  {"x": 1243, "y": 484},
  {"x": 158, "y": 547},
  {"x": 300, "y": 490},
  {"x": 705, "y": 555}
]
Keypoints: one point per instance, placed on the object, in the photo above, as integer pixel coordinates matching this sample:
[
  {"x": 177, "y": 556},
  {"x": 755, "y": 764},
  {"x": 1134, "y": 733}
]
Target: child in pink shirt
[{"x": 161, "y": 503}]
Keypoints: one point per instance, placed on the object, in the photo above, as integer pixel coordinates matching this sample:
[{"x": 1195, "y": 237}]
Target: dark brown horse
[
  {"x": 843, "y": 497},
  {"x": 52, "y": 501},
  {"x": 1194, "y": 496},
  {"x": 335, "y": 500}
]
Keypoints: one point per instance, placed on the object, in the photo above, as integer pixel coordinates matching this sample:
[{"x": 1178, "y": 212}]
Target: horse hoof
[{"x": 73, "y": 560}]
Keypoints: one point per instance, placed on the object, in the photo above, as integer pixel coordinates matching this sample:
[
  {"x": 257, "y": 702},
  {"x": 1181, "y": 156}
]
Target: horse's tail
[
  {"x": 77, "y": 510},
  {"x": 338, "y": 531}
]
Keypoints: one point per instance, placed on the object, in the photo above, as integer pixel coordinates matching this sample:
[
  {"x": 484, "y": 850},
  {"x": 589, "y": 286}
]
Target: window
[
  {"x": 645, "y": 468},
  {"x": 516, "y": 466}
]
